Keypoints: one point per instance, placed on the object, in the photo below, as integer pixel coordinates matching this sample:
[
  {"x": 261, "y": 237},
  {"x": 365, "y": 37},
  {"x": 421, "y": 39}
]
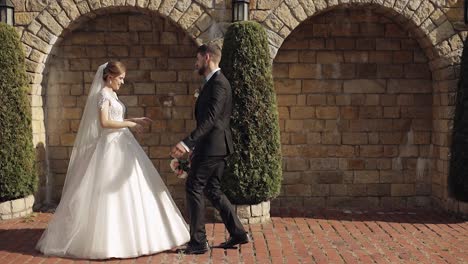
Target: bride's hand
[{"x": 137, "y": 127}]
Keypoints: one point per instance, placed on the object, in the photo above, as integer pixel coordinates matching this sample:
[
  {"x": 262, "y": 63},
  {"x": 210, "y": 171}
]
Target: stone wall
[
  {"x": 435, "y": 29},
  {"x": 160, "y": 84},
  {"x": 355, "y": 102}
]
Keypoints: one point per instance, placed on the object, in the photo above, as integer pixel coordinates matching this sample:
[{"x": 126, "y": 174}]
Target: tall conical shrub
[
  {"x": 458, "y": 177},
  {"x": 17, "y": 172},
  {"x": 254, "y": 170}
]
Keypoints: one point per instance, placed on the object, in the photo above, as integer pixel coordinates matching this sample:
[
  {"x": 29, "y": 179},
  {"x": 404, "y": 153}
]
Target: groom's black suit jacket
[{"x": 212, "y": 136}]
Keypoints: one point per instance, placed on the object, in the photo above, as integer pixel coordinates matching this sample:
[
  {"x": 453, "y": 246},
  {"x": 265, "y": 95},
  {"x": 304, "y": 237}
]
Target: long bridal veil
[{"x": 66, "y": 221}]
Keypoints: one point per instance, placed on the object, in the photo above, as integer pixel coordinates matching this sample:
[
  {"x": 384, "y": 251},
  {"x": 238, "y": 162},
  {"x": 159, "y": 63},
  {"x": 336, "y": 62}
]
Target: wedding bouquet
[{"x": 180, "y": 167}]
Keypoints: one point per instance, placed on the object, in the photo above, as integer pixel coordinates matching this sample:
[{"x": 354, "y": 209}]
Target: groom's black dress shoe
[
  {"x": 237, "y": 240},
  {"x": 194, "y": 250}
]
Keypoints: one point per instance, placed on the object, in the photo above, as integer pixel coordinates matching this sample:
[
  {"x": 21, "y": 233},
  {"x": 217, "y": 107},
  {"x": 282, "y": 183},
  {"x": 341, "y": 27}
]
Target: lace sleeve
[{"x": 102, "y": 98}]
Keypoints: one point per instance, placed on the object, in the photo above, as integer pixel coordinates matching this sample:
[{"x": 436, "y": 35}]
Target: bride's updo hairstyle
[{"x": 113, "y": 69}]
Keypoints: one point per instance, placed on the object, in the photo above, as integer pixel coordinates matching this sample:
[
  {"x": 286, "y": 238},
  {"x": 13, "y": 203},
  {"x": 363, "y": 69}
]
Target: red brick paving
[{"x": 329, "y": 236}]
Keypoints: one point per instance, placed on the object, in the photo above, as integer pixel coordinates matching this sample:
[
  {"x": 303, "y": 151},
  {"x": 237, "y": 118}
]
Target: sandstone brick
[
  {"x": 171, "y": 89},
  {"x": 23, "y": 18},
  {"x": 180, "y": 63},
  {"x": 391, "y": 112},
  {"x": 296, "y": 164},
  {"x": 320, "y": 189},
  {"x": 325, "y": 57},
  {"x": 316, "y": 99},
  {"x": 72, "y": 113},
  {"x": 409, "y": 86},
  {"x": 392, "y": 176},
  {"x": 402, "y": 57},
  {"x": 294, "y": 125},
  {"x": 388, "y": 44},
  {"x": 344, "y": 29},
  {"x": 307, "y": 56},
  {"x": 378, "y": 189},
  {"x": 365, "y": 44},
  {"x": 324, "y": 163},
  {"x": 297, "y": 190},
  {"x": 380, "y": 56},
  {"x": 47, "y": 20},
  {"x": 164, "y": 76},
  {"x": 182, "y": 113},
  {"x": 364, "y": 86},
  {"x": 355, "y": 164},
  {"x": 421, "y": 138},
  {"x": 139, "y": 23},
  {"x": 331, "y": 139},
  {"x": 308, "y": 71},
  {"x": 366, "y": 71},
  {"x": 338, "y": 71},
  {"x": 144, "y": 88},
  {"x": 291, "y": 177},
  {"x": 35, "y": 42},
  {"x": 67, "y": 139},
  {"x": 343, "y": 100},
  {"x": 328, "y": 177},
  {"x": 368, "y": 112},
  {"x": 327, "y": 112},
  {"x": 345, "y": 44},
  {"x": 354, "y": 138},
  {"x": 390, "y": 71},
  {"x": 80, "y": 64},
  {"x": 402, "y": 189},
  {"x": 366, "y": 176},
  {"x": 18, "y": 205},
  {"x": 283, "y": 113},
  {"x": 341, "y": 151},
  {"x": 155, "y": 51},
  {"x": 371, "y": 151},
  {"x": 321, "y": 86},
  {"x": 417, "y": 71},
  {"x": 357, "y": 189},
  {"x": 356, "y": 56},
  {"x": 280, "y": 71},
  {"x": 313, "y": 138},
  {"x": 285, "y": 86},
  {"x": 302, "y": 112},
  {"x": 168, "y": 38},
  {"x": 287, "y": 56},
  {"x": 159, "y": 152},
  {"x": 338, "y": 189},
  {"x": 372, "y": 29},
  {"x": 5, "y": 208}
]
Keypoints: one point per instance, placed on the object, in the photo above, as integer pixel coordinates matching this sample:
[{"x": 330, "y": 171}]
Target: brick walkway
[{"x": 325, "y": 237}]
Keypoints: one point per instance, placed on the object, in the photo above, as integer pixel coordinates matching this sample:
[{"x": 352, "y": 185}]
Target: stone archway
[
  {"x": 439, "y": 43},
  {"x": 58, "y": 32}
]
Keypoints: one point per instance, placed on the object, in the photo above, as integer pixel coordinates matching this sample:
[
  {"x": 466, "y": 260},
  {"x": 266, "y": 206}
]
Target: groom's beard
[{"x": 202, "y": 70}]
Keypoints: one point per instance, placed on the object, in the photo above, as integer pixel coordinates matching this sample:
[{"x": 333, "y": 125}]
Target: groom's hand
[
  {"x": 142, "y": 120},
  {"x": 178, "y": 151}
]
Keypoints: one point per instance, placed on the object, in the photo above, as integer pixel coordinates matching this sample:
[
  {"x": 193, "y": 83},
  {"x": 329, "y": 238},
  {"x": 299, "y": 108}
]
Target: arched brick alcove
[
  {"x": 433, "y": 42},
  {"x": 66, "y": 43}
]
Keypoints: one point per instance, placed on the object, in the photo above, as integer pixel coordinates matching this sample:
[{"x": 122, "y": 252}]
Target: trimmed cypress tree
[
  {"x": 17, "y": 171},
  {"x": 458, "y": 177},
  {"x": 254, "y": 171}
]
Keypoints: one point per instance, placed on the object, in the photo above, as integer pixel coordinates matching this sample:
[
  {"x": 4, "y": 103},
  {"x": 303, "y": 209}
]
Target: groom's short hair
[{"x": 211, "y": 49}]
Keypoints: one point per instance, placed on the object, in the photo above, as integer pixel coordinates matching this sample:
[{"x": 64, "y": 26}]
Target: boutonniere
[{"x": 197, "y": 93}]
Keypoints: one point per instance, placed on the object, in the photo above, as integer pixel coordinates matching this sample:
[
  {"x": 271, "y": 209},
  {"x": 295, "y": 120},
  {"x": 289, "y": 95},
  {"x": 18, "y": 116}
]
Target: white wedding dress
[{"x": 114, "y": 203}]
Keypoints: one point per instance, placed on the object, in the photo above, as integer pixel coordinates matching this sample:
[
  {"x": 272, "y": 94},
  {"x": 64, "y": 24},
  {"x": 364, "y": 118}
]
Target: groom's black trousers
[{"x": 205, "y": 178}]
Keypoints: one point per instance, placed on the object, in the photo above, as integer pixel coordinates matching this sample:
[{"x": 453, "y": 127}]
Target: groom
[{"x": 211, "y": 143}]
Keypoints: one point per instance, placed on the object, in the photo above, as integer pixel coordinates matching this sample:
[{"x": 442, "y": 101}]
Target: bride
[{"x": 114, "y": 203}]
